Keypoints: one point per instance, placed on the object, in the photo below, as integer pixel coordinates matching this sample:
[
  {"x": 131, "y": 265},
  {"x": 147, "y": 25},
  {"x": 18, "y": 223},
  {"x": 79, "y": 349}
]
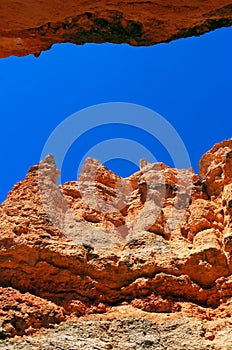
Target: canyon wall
[{"x": 131, "y": 263}]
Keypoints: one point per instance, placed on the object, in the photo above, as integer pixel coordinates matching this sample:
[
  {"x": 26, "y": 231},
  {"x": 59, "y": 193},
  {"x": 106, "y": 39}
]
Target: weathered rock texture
[
  {"x": 150, "y": 255},
  {"x": 30, "y": 26}
]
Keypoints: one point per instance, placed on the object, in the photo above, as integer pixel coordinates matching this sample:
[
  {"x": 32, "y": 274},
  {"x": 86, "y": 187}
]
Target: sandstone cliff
[
  {"x": 130, "y": 263},
  {"x": 30, "y": 26}
]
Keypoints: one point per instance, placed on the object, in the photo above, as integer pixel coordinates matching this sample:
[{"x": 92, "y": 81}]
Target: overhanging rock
[{"x": 31, "y": 26}]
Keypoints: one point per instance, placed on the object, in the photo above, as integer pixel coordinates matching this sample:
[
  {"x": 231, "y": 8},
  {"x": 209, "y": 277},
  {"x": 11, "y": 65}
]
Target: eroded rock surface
[
  {"x": 147, "y": 254},
  {"x": 30, "y": 26}
]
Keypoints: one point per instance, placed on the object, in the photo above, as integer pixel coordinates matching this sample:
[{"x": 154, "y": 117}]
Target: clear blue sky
[{"x": 187, "y": 81}]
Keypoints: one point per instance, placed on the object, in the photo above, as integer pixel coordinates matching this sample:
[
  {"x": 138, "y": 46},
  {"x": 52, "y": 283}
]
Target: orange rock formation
[{"x": 159, "y": 241}]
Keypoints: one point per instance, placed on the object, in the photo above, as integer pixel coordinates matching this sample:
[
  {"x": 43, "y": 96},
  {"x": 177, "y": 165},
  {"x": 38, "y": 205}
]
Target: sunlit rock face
[
  {"x": 151, "y": 249},
  {"x": 30, "y": 26}
]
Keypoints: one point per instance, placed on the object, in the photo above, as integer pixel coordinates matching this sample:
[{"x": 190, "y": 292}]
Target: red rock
[
  {"x": 25, "y": 313},
  {"x": 30, "y": 26},
  {"x": 155, "y": 303}
]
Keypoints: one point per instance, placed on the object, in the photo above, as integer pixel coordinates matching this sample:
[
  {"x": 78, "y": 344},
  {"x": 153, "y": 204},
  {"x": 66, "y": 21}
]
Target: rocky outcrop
[
  {"x": 24, "y": 313},
  {"x": 157, "y": 245},
  {"x": 30, "y": 26}
]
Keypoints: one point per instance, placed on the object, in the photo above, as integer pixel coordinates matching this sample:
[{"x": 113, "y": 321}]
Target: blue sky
[{"x": 187, "y": 81}]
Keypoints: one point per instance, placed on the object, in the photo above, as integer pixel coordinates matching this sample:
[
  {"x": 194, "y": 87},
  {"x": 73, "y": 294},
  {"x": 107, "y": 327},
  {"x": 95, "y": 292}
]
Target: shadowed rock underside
[{"x": 30, "y": 26}]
